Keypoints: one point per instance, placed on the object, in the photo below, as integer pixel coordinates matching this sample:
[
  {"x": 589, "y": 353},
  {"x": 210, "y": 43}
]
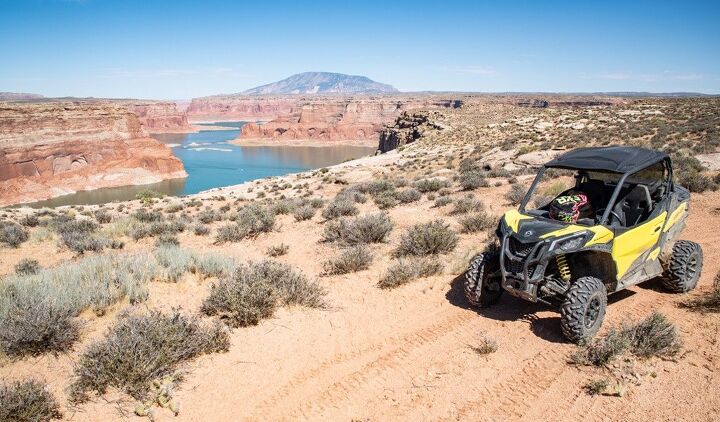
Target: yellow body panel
[
  {"x": 676, "y": 216},
  {"x": 654, "y": 254},
  {"x": 601, "y": 234},
  {"x": 628, "y": 246},
  {"x": 513, "y": 217}
]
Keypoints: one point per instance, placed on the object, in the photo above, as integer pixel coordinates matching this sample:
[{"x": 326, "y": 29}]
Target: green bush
[
  {"x": 255, "y": 219},
  {"x": 372, "y": 228},
  {"x": 466, "y": 205},
  {"x": 472, "y": 180},
  {"x": 30, "y": 220},
  {"x": 278, "y": 250},
  {"x": 386, "y": 199},
  {"x": 431, "y": 185},
  {"x": 304, "y": 212},
  {"x": 201, "y": 229},
  {"x": 139, "y": 348},
  {"x": 354, "y": 259},
  {"x": 516, "y": 194},
  {"x": 175, "y": 262},
  {"x": 435, "y": 237},
  {"x": 27, "y": 401},
  {"x": 405, "y": 270}
]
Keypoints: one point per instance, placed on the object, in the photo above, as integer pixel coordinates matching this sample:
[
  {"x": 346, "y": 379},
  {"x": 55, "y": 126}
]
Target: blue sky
[{"x": 182, "y": 49}]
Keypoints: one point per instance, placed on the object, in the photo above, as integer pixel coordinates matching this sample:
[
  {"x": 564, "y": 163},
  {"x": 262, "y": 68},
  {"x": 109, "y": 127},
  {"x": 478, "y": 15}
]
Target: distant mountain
[
  {"x": 322, "y": 83},
  {"x": 17, "y": 96}
]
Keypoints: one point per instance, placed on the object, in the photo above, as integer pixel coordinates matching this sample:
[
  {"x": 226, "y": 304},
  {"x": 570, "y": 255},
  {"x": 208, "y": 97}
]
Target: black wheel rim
[{"x": 592, "y": 312}]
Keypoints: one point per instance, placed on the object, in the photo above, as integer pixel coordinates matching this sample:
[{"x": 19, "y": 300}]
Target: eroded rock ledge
[{"x": 50, "y": 149}]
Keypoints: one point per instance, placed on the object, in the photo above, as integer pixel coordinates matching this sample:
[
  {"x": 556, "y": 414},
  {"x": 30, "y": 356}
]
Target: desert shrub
[
  {"x": 12, "y": 234},
  {"x": 304, "y": 212},
  {"x": 405, "y": 270},
  {"x": 278, "y": 250},
  {"x": 354, "y": 259},
  {"x": 201, "y": 229},
  {"x": 596, "y": 386},
  {"x": 408, "y": 195},
  {"x": 386, "y": 199},
  {"x": 80, "y": 242},
  {"x": 27, "y": 266},
  {"x": 255, "y": 219},
  {"x": 372, "y": 228},
  {"x": 340, "y": 207},
  {"x": 466, "y": 205},
  {"x": 472, "y": 180},
  {"x": 27, "y": 401},
  {"x": 80, "y": 227},
  {"x": 708, "y": 303},
  {"x": 540, "y": 201},
  {"x": 147, "y": 195},
  {"x": 37, "y": 311},
  {"x": 174, "y": 207},
  {"x": 102, "y": 216},
  {"x": 652, "y": 336},
  {"x": 30, "y": 220},
  {"x": 167, "y": 239},
  {"x": 174, "y": 260},
  {"x": 231, "y": 232},
  {"x": 353, "y": 193},
  {"x": 375, "y": 187},
  {"x": 485, "y": 346},
  {"x": 208, "y": 216},
  {"x": 431, "y": 185},
  {"x": 317, "y": 203},
  {"x": 139, "y": 348},
  {"x": 146, "y": 216},
  {"x": 688, "y": 173},
  {"x": 442, "y": 201},
  {"x": 516, "y": 194},
  {"x": 213, "y": 265},
  {"x": 431, "y": 238},
  {"x": 283, "y": 206},
  {"x": 476, "y": 222},
  {"x": 254, "y": 290}
]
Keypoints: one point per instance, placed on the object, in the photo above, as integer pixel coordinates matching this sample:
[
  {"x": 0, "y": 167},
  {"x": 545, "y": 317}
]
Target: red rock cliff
[
  {"x": 240, "y": 107},
  {"x": 160, "y": 116},
  {"x": 49, "y": 149},
  {"x": 339, "y": 119}
]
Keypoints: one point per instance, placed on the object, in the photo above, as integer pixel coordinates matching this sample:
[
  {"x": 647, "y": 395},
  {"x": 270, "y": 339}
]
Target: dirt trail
[{"x": 406, "y": 354}]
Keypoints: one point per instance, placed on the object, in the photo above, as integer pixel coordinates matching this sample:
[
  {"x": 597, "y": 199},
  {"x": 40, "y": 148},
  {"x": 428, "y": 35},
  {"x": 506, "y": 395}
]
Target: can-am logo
[{"x": 528, "y": 233}]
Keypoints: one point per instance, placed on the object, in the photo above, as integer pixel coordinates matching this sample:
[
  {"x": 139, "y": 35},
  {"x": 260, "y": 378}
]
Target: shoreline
[{"x": 270, "y": 142}]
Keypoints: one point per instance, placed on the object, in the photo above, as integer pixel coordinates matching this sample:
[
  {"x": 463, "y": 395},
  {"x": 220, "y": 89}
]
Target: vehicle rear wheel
[
  {"x": 684, "y": 266},
  {"x": 583, "y": 311},
  {"x": 482, "y": 285}
]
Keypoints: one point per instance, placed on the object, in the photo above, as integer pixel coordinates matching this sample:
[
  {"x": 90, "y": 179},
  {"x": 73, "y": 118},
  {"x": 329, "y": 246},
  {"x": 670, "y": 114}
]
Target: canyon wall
[
  {"x": 240, "y": 107},
  {"x": 160, "y": 116},
  {"x": 49, "y": 149},
  {"x": 336, "y": 119}
]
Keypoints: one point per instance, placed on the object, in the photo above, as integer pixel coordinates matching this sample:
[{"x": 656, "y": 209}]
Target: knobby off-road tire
[
  {"x": 583, "y": 310},
  {"x": 481, "y": 288},
  {"x": 684, "y": 266}
]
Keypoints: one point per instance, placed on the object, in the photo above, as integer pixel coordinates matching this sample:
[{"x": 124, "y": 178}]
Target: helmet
[{"x": 571, "y": 207}]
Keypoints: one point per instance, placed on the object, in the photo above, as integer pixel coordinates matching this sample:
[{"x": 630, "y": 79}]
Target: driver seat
[{"x": 635, "y": 206}]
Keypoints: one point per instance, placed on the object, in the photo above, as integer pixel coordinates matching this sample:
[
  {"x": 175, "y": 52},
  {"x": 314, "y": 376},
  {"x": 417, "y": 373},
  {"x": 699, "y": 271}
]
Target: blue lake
[{"x": 212, "y": 162}]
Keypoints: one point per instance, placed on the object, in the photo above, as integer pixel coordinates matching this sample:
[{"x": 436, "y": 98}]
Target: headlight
[{"x": 570, "y": 243}]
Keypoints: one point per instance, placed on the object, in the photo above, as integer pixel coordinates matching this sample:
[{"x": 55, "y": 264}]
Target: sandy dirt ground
[{"x": 406, "y": 354}]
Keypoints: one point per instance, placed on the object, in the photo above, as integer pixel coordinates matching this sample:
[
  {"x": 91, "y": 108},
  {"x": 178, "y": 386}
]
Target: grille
[
  {"x": 520, "y": 249},
  {"x": 516, "y": 267}
]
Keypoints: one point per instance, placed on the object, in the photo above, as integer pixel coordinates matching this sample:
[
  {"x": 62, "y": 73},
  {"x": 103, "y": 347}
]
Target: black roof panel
[{"x": 618, "y": 159}]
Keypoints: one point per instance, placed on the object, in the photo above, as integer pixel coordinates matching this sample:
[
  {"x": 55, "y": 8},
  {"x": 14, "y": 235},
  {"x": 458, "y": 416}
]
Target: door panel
[{"x": 630, "y": 245}]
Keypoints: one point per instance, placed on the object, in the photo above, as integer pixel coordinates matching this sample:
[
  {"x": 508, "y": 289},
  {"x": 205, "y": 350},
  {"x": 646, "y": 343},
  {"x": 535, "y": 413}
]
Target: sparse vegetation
[
  {"x": 27, "y": 401},
  {"x": 141, "y": 347},
  {"x": 304, "y": 213},
  {"x": 12, "y": 234},
  {"x": 709, "y": 302},
  {"x": 652, "y": 336},
  {"x": 27, "y": 266},
  {"x": 354, "y": 259},
  {"x": 254, "y": 291},
  {"x": 476, "y": 222},
  {"x": 372, "y": 228},
  {"x": 516, "y": 194},
  {"x": 466, "y": 205},
  {"x": 278, "y": 250},
  {"x": 340, "y": 207},
  {"x": 485, "y": 346},
  {"x": 405, "y": 270},
  {"x": 435, "y": 237},
  {"x": 596, "y": 386}
]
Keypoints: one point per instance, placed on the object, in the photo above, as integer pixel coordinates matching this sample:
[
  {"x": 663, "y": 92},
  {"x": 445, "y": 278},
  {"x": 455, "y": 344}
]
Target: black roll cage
[{"x": 611, "y": 202}]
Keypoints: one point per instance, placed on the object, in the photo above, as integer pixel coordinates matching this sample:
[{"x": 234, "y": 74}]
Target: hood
[{"x": 527, "y": 228}]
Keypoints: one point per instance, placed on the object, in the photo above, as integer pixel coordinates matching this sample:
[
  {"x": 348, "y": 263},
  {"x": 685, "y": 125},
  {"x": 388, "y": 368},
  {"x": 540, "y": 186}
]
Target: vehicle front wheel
[
  {"x": 583, "y": 310},
  {"x": 684, "y": 266},
  {"x": 482, "y": 285}
]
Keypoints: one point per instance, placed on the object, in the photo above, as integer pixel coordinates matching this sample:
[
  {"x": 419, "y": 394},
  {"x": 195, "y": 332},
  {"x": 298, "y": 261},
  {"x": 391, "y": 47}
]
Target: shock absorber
[{"x": 563, "y": 267}]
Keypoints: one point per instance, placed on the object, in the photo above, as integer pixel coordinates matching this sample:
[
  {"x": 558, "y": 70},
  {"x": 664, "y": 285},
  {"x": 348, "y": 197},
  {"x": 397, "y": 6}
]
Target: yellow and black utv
[{"x": 609, "y": 218}]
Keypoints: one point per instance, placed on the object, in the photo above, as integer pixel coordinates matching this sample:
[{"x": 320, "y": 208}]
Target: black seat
[
  {"x": 635, "y": 206},
  {"x": 596, "y": 193}
]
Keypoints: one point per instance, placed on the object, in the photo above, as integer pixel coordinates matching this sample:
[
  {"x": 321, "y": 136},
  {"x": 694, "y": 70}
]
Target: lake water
[{"x": 212, "y": 162}]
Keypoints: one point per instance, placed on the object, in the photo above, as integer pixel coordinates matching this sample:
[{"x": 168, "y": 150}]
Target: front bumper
[{"x": 523, "y": 266}]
